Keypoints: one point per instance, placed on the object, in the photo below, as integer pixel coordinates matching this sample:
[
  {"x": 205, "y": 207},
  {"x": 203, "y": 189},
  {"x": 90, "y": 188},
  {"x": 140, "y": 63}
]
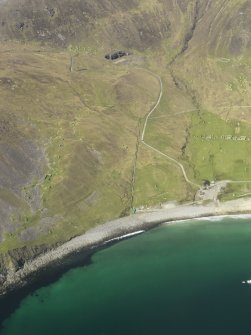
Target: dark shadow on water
[{"x": 46, "y": 276}]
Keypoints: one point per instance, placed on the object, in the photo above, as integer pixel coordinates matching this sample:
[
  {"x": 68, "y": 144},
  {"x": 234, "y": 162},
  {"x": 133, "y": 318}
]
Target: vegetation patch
[{"x": 219, "y": 149}]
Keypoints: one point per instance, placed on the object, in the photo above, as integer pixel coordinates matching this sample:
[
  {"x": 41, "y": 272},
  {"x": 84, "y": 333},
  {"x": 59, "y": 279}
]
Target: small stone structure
[{"x": 116, "y": 55}]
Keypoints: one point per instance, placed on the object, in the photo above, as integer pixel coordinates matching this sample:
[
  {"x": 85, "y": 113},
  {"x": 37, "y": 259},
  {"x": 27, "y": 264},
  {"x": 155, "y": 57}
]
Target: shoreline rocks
[{"x": 28, "y": 266}]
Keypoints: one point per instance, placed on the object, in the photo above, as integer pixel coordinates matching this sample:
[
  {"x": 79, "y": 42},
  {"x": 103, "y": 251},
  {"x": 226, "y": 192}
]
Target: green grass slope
[
  {"x": 70, "y": 121},
  {"x": 83, "y": 126}
]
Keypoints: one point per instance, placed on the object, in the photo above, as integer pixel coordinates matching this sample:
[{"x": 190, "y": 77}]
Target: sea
[{"x": 178, "y": 279}]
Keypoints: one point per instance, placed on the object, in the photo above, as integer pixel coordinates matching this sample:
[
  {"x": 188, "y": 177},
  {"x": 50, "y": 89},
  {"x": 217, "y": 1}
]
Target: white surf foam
[{"x": 124, "y": 236}]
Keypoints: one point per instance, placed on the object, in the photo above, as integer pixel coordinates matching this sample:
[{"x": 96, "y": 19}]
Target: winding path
[
  {"x": 154, "y": 107},
  {"x": 151, "y": 147},
  {"x": 149, "y": 116}
]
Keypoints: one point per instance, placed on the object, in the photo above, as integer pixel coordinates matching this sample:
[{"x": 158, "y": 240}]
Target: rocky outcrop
[{"x": 14, "y": 260}]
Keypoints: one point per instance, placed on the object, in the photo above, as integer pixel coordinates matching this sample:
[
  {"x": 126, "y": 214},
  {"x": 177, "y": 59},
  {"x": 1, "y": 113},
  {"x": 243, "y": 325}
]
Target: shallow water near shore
[{"x": 176, "y": 279}]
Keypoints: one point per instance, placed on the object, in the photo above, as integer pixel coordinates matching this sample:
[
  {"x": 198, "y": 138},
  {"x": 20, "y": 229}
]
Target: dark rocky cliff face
[{"x": 15, "y": 259}]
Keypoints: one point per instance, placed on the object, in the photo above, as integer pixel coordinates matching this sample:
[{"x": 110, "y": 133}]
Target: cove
[{"x": 183, "y": 278}]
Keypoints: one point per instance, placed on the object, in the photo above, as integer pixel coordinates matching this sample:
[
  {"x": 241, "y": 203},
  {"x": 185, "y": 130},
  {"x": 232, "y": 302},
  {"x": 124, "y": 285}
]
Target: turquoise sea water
[{"x": 177, "y": 279}]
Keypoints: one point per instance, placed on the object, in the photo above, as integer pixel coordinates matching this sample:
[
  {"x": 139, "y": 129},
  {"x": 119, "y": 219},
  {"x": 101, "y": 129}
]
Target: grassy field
[
  {"x": 219, "y": 149},
  {"x": 158, "y": 181}
]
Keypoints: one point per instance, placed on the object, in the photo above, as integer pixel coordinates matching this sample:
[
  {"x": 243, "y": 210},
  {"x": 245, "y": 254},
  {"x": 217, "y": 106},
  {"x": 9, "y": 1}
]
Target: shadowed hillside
[{"x": 132, "y": 24}]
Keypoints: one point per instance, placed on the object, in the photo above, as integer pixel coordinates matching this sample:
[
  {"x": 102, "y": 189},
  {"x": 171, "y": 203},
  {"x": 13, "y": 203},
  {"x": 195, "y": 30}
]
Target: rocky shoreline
[{"x": 113, "y": 230}]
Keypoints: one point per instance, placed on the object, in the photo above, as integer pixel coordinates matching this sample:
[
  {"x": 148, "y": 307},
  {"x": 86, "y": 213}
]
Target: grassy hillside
[
  {"x": 70, "y": 121},
  {"x": 81, "y": 125},
  {"x": 135, "y": 24}
]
